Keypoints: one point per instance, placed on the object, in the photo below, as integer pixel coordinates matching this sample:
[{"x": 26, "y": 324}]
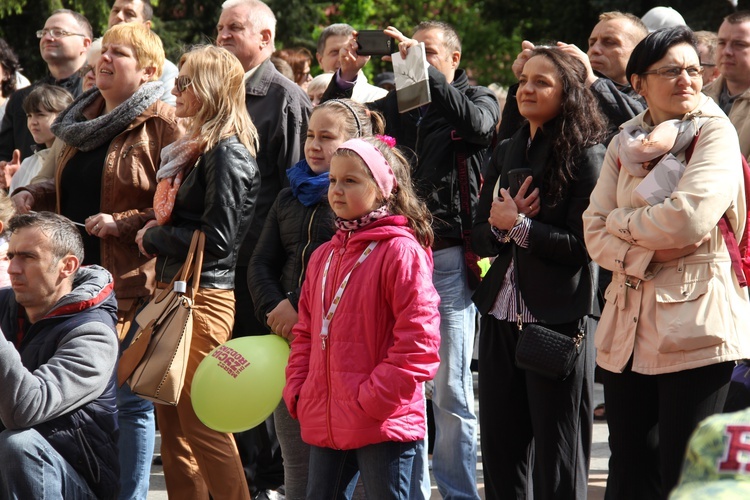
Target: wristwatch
[{"x": 519, "y": 219}]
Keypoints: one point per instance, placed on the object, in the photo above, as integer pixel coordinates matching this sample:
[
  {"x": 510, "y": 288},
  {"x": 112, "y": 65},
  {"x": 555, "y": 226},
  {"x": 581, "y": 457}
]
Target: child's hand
[
  {"x": 282, "y": 318},
  {"x": 9, "y": 168}
]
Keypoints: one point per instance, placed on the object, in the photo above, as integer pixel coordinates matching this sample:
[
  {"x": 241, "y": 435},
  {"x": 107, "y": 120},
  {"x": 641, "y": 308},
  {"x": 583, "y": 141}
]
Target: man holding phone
[
  {"x": 458, "y": 124},
  {"x": 334, "y": 38}
]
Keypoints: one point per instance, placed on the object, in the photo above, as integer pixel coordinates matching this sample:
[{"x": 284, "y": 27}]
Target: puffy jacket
[
  {"x": 365, "y": 387},
  {"x": 689, "y": 312},
  {"x": 739, "y": 115},
  {"x": 290, "y": 235},
  {"x": 217, "y": 196},
  {"x": 128, "y": 186},
  {"x": 74, "y": 405},
  {"x": 460, "y": 119}
]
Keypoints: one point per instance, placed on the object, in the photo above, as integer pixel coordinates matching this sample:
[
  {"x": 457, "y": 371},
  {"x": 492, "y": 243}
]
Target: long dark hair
[{"x": 579, "y": 125}]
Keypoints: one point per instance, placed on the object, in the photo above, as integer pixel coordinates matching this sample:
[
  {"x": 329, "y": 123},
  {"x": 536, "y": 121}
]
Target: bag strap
[
  {"x": 188, "y": 267},
  {"x": 519, "y": 317},
  {"x": 725, "y": 227},
  {"x": 464, "y": 194}
]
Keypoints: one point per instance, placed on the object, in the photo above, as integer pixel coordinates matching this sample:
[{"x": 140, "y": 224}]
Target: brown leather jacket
[{"x": 128, "y": 186}]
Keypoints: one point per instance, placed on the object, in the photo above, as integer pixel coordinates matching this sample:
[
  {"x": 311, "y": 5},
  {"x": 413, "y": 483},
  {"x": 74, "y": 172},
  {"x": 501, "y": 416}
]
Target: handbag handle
[{"x": 192, "y": 266}]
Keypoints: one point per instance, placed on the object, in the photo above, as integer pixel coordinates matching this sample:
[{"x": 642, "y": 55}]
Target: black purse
[{"x": 542, "y": 350}]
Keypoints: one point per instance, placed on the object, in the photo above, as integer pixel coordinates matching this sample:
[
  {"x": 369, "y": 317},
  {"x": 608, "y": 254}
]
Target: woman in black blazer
[{"x": 533, "y": 426}]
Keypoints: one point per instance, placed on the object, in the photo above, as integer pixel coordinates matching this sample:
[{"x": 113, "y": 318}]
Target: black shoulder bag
[{"x": 542, "y": 350}]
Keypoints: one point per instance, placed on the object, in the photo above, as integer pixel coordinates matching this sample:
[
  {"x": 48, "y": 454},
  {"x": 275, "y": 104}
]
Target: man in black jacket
[
  {"x": 447, "y": 141},
  {"x": 63, "y": 44},
  {"x": 57, "y": 383},
  {"x": 280, "y": 110}
]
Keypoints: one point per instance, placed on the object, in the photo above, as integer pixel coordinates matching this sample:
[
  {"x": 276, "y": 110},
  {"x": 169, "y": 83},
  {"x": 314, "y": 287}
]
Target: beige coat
[
  {"x": 689, "y": 312},
  {"x": 739, "y": 115}
]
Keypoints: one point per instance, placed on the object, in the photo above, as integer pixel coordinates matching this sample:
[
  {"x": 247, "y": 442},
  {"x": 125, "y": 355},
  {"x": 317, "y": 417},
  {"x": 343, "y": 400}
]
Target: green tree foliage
[{"x": 491, "y": 30}]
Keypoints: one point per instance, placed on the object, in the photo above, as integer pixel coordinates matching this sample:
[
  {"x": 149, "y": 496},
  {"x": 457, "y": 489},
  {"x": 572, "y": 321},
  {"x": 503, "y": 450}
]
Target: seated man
[{"x": 58, "y": 419}]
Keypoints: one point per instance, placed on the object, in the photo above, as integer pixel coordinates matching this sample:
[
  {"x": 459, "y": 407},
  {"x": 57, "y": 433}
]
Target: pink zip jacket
[{"x": 365, "y": 386}]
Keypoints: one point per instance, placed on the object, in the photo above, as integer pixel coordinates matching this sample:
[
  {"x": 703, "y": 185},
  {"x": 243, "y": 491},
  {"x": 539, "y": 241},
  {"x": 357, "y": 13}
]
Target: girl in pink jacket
[{"x": 368, "y": 331}]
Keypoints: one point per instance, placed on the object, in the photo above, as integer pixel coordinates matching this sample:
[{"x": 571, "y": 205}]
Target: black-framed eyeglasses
[
  {"x": 672, "y": 72},
  {"x": 182, "y": 83},
  {"x": 56, "y": 33},
  {"x": 707, "y": 65},
  {"x": 85, "y": 70}
]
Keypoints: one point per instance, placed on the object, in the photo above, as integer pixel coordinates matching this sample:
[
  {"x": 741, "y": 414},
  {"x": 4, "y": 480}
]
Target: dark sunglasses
[{"x": 182, "y": 83}]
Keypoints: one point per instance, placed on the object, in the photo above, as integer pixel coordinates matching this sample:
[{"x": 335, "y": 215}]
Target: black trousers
[
  {"x": 530, "y": 423},
  {"x": 651, "y": 418}
]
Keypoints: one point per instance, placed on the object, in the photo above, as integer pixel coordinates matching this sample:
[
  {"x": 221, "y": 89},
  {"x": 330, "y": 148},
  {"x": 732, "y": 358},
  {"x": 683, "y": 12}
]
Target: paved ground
[{"x": 597, "y": 474}]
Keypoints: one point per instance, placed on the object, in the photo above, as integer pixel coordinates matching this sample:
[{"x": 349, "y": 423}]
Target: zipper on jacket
[
  {"x": 328, "y": 351},
  {"x": 307, "y": 245}
]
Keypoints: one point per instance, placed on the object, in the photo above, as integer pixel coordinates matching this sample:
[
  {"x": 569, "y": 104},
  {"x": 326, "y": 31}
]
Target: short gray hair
[
  {"x": 338, "y": 29},
  {"x": 451, "y": 40},
  {"x": 62, "y": 233},
  {"x": 260, "y": 17}
]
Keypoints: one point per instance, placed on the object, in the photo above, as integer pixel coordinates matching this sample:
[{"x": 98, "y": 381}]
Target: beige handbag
[{"x": 154, "y": 364}]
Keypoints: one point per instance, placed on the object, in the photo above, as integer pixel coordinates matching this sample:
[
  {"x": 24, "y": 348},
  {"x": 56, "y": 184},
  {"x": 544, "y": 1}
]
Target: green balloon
[{"x": 239, "y": 384}]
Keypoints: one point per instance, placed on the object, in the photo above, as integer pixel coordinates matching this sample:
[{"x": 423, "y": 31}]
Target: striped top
[{"x": 505, "y": 304}]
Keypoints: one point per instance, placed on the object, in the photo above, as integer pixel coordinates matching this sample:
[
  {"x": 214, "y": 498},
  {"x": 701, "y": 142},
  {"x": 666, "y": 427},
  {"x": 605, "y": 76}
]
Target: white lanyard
[{"x": 327, "y": 317}]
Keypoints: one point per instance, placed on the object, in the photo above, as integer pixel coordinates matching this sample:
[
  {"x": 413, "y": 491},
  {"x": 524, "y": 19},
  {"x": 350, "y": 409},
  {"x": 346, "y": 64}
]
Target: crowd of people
[{"x": 607, "y": 193}]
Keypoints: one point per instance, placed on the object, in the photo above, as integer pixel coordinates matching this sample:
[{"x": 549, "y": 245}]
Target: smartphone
[
  {"x": 516, "y": 178},
  {"x": 375, "y": 43}
]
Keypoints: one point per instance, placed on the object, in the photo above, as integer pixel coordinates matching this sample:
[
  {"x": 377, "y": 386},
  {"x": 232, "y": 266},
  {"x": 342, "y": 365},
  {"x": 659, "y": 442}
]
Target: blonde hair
[
  {"x": 147, "y": 46},
  {"x": 403, "y": 200},
  {"x": 218, "y": 81},
  {"x": 7, "y": 210}
]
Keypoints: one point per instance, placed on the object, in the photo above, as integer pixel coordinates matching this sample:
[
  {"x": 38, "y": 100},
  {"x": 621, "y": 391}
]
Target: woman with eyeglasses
[
  {"x": 208, "y": 180},
  {"x": 675, "y": 319},
  {"x": 104, "y": 181}
]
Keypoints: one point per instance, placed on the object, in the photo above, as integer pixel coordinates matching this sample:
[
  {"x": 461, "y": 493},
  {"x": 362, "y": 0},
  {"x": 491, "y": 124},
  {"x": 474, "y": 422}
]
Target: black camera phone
[
  {"x": 375, "y": 43},
  {"x": 516, "y": 178}
]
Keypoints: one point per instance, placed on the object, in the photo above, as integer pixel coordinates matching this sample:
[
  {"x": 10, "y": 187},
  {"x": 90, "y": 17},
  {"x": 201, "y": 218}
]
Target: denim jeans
[
  {"x": 454, "y": 457},
  {"x": 136, "y": 442},
  {"x": 31, "y": 468},
  {"x": 137, "y": 436},
  {"x": 421, "y": 488},
  {"x": 386, "y": 470}
]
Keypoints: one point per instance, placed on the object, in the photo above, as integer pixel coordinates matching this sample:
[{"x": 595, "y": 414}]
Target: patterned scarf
[
  {"x": 175, "y": 160},
  {"x": 640, "y": 150},
  {"x": 353, "y": 225}
]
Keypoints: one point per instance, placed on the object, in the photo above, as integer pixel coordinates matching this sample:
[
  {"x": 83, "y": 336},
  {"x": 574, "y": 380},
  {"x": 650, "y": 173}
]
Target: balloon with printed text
[{"x": 239, "y": 384}]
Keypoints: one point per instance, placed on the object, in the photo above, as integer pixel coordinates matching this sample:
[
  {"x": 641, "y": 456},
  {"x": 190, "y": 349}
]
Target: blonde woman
[{"x": 208, "y": 180}]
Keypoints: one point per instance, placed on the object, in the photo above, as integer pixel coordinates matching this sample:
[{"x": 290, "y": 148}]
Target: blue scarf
[{"x": 307, "y": 186}]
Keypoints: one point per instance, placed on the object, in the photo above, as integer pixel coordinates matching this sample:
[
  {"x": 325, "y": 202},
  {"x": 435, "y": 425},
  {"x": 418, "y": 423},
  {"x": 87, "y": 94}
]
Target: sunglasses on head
[{"x": 182, "y": 83}]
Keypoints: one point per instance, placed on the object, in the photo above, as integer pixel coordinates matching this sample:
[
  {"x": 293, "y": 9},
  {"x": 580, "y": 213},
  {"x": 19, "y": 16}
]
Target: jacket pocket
[
  {"x": 606, "y": 328},
  {"x": 690, "y": 308}
]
